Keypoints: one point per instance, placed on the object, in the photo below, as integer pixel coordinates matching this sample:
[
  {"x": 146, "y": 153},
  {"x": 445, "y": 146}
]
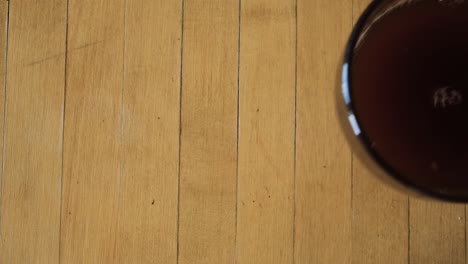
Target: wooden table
[{"x": 196, "y": 131}]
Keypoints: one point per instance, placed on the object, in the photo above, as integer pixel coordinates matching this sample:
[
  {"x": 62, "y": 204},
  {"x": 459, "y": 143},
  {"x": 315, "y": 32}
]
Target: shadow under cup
[{"x": 405, "y": 88}]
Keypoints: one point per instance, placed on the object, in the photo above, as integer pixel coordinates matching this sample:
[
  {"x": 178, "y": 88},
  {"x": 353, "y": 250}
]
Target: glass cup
[{"x": 404, "y": 94}]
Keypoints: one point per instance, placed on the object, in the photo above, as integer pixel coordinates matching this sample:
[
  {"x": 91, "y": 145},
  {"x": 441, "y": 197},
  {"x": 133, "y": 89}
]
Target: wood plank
[
  {"x": 30, "y": 202},
  {"x": 3, "y": 64},
  {"x": 323, "y": 167},
  {"x": 92, "y": 151},
  {"x": 266, "y": 142},
  {"x": 209, "y": 132},
  {"x": 380, "y": 213},
  {"x": 437, "y": 232},
  {"x": 380, "y": 220},
  {"x": 147, "y": 231}
]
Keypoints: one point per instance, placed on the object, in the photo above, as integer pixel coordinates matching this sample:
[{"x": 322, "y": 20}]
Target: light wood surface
[
  {"x": 208, "y": 151},
  {"x": 193, "y": 131},
  {"x": 147, "y": 225},
  {"x": 265, "y": 215},
  {"x": 92, "y": 155},
  {"x": 323, "y": 162},
  {"x": 33, "y": 130}
]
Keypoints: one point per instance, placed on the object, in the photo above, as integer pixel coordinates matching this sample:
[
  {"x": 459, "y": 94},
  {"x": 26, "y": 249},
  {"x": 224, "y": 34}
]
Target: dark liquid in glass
[{"x": 409, "y": 80}]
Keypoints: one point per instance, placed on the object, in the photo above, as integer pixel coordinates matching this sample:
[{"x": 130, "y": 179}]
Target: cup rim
[{"x": 353, "y": 123}]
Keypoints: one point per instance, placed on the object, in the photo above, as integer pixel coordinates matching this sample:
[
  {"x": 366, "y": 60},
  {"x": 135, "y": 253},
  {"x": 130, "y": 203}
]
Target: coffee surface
[{"x": 409, "y": 87}]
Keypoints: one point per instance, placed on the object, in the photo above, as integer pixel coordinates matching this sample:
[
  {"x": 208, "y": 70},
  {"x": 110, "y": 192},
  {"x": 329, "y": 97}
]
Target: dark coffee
[{"x": 409, "y": 80}]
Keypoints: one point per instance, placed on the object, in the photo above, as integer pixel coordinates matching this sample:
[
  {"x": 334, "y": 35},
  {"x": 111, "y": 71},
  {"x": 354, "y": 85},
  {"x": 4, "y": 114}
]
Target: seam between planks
[
  {"x": 2, "y": 176},
  {"x": 180, "y": 127},
  {"x": 409, "y": 232},
  {"x": 295, "y": 134},
  {"x": 63, "y": 132},
  {"x": 238, "y": 128}
]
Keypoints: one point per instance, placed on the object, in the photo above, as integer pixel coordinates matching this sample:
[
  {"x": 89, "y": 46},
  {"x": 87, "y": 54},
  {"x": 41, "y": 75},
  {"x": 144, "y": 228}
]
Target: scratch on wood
[
  {"x": 44, "y": 59},
  {"x": 88, "y": 45},
  {"x": 62, "y": 53}
]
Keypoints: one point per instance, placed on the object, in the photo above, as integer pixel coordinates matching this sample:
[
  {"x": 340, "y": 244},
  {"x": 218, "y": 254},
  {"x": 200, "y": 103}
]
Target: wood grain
[
  {"x": 193, "y": 131},
  {"x": 437, "y": 232},
  {"x": 207, "y": 205},
  {"x": 266, "y": 132},
  {"x": 323, "y": 170},
  {"x": 30, "y": 202},
  {"x": 3, "y": 64},
  {"x": 147, "y": 230},
  {"x": 93, "y": 131},
  {"x": 380, "y": 214},
  {"x": 380, "y": 220}
]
